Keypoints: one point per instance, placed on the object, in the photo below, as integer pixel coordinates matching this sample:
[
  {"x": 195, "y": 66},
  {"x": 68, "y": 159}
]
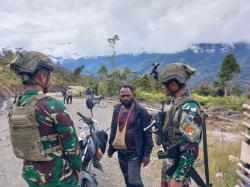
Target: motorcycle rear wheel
[{"x": 103, "y": 103}]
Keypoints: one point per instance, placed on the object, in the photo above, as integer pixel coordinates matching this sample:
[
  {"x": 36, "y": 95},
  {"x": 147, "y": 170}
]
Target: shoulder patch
[
  {"x": 190, "y": 127},
  {"x": 191, "y": 106}
]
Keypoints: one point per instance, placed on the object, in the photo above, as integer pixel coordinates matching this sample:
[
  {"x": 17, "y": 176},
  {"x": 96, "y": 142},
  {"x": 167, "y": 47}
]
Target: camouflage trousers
[
  {"x": 32, "y": 182},
  {"x": 165, "y": 179}
]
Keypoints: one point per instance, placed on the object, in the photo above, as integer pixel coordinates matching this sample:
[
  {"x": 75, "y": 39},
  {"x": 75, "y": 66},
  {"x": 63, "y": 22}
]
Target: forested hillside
[{"x": 206, "y": 58}]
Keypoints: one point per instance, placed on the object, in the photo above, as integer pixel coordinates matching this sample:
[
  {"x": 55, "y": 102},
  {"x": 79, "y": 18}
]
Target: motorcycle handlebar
[
  {"x": 86, "y": 119},
  {"x": 82, "y": 116}
]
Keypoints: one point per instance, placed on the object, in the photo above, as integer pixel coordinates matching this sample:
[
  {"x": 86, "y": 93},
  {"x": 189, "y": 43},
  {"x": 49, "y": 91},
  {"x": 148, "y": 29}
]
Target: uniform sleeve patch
[{"x": 189, "y": 127}]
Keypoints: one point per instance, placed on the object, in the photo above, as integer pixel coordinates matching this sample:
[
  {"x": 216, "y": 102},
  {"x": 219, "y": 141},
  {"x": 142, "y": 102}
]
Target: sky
[{"x": 80, "y": 28}]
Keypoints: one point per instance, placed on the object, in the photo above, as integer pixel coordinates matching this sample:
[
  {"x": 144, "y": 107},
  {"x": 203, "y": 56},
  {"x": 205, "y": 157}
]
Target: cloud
[{"x": 81, "y": 27}]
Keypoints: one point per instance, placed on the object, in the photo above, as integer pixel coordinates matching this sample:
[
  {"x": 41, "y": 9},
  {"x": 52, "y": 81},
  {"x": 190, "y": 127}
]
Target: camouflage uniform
[
  {"x": 186, "y": 129},
  {"x": 184, "y": 117},
  {"x": 60, "y": 170},
  {"x": 61, "y": 165}
]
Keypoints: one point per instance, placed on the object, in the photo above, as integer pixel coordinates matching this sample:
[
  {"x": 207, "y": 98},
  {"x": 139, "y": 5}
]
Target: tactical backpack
[{"x": 24, "y": 132}]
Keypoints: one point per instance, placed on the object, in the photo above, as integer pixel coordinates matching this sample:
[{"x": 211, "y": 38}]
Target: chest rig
[{"x": 171, "y": 121}]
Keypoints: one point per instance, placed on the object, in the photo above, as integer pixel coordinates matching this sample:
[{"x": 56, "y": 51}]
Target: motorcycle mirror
[{"x": 90, "y": 104}]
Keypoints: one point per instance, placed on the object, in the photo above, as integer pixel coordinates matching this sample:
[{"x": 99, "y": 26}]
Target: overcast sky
[{"x": 71, "y": 28}]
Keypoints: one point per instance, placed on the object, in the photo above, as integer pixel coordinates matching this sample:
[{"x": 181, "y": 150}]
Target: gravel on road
[{"x": 11, "y": 167}]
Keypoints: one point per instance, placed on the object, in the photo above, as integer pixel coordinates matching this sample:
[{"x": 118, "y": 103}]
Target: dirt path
[{"x": 10, "y": 167}]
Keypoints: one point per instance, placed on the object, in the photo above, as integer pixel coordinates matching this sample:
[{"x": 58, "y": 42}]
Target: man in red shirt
[{"x": 127, "y": 137}]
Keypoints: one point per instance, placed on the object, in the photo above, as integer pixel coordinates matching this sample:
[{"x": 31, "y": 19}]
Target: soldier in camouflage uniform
[
  {"x": 62, "y": 162},
  {"x": 185, "y": 130}
]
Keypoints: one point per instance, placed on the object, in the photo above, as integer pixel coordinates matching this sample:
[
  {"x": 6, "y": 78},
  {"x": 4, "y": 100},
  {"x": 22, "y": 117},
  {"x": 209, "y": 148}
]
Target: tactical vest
[
  {"x": 25, "y": 135},
  {"x": 171, "y": 122}
]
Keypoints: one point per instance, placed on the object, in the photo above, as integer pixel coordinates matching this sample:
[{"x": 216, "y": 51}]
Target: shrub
[
  {"x": 232, "y": 102},
  {"x": 149, "y": 96},
  {"x": 204, "y": 89},
  {"x": 203, "y": 100}
]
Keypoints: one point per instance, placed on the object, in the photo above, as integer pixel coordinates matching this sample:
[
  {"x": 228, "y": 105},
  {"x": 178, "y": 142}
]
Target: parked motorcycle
[
  {"x": 100, "y": 100},
  {"x": 92, "y": 141}
]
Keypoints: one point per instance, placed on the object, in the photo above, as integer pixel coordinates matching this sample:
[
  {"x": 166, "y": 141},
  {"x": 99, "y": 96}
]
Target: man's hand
[
  {"x": 145, "y": 161},
  {"x": 78, "y": 175},
  {"x": 108, "y": 153},
  {"x": 175, "y": 183}
]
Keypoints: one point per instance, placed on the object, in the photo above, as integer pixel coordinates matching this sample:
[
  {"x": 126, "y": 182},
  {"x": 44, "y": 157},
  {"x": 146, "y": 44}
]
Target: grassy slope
[{"x": 9, "y": 80}]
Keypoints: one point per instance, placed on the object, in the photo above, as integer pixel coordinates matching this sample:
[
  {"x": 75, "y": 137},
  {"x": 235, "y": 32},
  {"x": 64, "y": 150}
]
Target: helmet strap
[{"x": 46, "y": 87}]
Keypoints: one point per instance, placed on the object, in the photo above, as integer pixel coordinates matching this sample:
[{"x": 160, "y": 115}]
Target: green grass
[
  {"x": 231, "y": 102},
  {"x": 149, "y": 96},
  {"x": 219, "y": 163},
  {"x": 8, "y": 79},
  {"x": 221, "y": 169}
]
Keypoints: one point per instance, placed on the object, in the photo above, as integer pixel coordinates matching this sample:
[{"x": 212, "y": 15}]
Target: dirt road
[{"x": 10, "y": 167}]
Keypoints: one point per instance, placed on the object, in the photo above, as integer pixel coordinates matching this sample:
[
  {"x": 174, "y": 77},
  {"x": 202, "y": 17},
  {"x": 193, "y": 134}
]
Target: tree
[
  {"x": 204, "y": 89},
  {"x": 78, "y": 71},
  {"x": 103, "y": 72},
  {"x": 126, "y": 74},
  {"x": 229, "y": 69},
  {"x": 112, "y": 41}
]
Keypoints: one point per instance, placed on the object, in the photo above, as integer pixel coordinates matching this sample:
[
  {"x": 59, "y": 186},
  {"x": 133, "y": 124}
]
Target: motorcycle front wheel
[
  {"x": 103, "y": 103},
  {"x": 85, "y": 183}
]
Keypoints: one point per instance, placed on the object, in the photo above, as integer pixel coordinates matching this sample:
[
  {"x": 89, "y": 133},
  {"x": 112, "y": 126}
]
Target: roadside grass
[
  {"x": 149, "y": 96},
  {"x": 222, "y": 170},
  {"x": 231, "y": 102}
]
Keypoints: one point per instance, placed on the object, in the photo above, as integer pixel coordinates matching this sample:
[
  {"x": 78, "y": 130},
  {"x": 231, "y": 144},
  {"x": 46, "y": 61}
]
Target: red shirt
[{"x": 130, "y": 130}]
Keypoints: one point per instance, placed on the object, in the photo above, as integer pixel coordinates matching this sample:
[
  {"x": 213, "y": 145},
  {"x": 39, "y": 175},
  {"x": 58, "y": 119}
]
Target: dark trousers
[
  {"x": 65, "y": 99},
  {"x": 69, "y": 99},
  {"x": 131, "y": 168}
]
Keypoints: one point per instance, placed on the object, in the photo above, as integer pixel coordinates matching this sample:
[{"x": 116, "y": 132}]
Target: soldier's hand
[
  {"x": 175, "y": 183},
  {"x": 145, "y": 161}
]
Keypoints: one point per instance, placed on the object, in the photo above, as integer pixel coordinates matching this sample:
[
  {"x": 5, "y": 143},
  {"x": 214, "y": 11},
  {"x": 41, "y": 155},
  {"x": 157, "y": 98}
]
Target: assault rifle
[{"x": 172, "y": 151}]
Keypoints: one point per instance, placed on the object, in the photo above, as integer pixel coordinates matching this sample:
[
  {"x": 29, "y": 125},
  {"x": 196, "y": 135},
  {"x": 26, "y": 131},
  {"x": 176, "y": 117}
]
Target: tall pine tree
[{"x": 229, "y": 69}]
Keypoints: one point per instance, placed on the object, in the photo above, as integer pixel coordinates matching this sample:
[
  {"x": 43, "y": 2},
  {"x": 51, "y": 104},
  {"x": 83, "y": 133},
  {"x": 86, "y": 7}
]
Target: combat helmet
[
  {"x": 30, "y": 62},
  {"x": 177, "y": 71}
]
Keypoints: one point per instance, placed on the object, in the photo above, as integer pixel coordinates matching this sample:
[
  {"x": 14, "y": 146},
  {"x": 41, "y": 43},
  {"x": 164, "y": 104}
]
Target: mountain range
[{"x": 205, "y": 57}]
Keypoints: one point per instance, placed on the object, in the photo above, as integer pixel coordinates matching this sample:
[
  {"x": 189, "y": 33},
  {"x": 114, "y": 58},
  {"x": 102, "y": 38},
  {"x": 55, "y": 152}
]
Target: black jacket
[{"x": 143, "y": 140}]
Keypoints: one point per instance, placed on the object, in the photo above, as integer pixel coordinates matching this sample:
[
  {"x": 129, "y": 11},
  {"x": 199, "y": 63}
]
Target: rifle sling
[{"x": 196, "y": 177}]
